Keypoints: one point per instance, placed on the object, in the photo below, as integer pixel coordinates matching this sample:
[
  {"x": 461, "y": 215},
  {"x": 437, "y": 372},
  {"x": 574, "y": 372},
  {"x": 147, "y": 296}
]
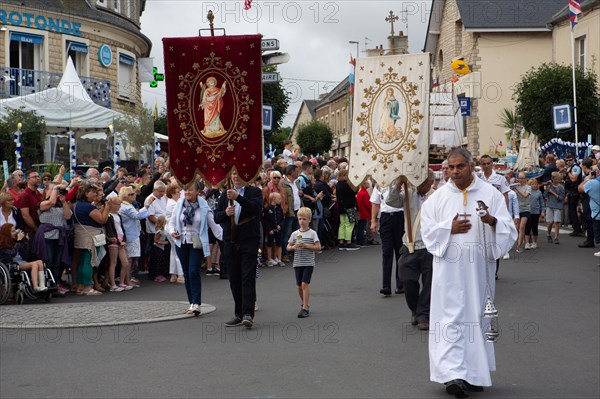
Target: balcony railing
[{"x": 20, "y": 82}]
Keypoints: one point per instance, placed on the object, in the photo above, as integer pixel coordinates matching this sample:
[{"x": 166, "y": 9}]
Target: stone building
[
  {"x": 103, "y": 38},
  {"x": 586, "y": 35},
  {"x": 334, "y": 110},
  {"x": 500, "y": 40}
]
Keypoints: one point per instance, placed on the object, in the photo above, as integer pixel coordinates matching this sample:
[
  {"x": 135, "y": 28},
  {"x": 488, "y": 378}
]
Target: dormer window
[{"x": 114, "y": 5}]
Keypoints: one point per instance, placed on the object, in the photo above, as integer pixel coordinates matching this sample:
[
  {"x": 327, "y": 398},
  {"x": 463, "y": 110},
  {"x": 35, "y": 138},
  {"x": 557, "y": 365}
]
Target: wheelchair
[{"x": 12, "y": 279}]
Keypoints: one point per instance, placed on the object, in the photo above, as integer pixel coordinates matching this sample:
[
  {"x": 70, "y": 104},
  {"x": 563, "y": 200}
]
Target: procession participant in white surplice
[{"x": 463, "y": 245}]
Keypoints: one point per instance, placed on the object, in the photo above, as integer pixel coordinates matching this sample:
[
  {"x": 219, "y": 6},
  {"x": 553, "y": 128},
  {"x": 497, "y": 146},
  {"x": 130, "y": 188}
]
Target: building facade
[
  {"x": 102, "y": 37},
  {"x": 334, "y": 111},
  {"x": 586, "y": 35},
  {"x": 501, "y": 41},
  {"x": 305, "y": 115}
]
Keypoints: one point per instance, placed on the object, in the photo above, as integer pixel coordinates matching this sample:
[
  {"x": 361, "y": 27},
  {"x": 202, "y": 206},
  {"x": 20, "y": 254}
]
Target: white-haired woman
[
  {"x": 129, "y": 218},
  {"x": 173, "y": 195}
]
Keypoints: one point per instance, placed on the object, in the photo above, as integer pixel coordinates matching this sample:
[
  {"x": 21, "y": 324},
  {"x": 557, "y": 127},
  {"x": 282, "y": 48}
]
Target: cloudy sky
[{"x": 314, "y": 33}]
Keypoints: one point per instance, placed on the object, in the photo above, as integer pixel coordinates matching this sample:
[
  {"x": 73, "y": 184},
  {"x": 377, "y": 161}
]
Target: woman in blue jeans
[{"x": 188, "y": 226}]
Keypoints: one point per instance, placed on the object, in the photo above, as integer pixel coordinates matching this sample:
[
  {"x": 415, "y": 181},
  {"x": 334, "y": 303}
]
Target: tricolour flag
[
  {"x": 574, "y": 11},
  {"x": 351, "y": 77},
  {"x": 390, "y": 130}
]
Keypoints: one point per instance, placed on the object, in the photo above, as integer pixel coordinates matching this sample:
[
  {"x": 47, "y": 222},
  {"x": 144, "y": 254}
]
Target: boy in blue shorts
[{"x": 304, "y": 242}]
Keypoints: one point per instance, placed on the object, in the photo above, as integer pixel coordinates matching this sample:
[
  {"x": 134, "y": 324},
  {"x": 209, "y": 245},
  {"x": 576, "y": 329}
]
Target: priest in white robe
[{"x": 464, "y": 245}]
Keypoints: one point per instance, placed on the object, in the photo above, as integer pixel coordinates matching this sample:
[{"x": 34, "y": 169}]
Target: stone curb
[{"x": 20, "y": 316}]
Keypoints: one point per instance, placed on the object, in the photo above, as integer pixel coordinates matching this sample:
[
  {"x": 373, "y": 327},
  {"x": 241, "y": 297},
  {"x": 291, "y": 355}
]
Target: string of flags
[
  {"x": 271, "y": 153},
  {"x": 156, "y": 148},
  {"x": 560, "y": 147},
  {"x": 17, "y": 139},
  {"x": 117, "y": 154},
  {"x": 73, "y": 152}
]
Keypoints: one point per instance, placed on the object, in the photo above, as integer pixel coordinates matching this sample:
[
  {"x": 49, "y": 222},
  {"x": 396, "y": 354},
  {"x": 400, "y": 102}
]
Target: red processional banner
[{"x": 214, "y": 106}]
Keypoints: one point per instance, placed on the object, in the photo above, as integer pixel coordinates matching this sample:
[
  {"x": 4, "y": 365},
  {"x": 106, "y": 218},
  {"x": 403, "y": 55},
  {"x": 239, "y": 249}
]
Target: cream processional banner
[{"x": 390, "y": 132}]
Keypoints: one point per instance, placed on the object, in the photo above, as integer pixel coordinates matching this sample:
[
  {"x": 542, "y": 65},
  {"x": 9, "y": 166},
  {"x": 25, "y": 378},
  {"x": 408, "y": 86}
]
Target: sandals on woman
[{"x": 90, "y": 292}]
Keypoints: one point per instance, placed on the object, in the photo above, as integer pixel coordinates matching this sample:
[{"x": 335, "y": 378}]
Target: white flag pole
[{"x": 574, "y": 94}]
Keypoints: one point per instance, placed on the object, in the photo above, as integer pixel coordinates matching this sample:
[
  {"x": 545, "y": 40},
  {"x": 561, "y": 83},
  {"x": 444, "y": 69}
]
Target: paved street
[{"x": 355, "y": 344}]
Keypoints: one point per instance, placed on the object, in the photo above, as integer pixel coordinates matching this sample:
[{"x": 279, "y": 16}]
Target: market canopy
[{"x": 65, "y": 106}]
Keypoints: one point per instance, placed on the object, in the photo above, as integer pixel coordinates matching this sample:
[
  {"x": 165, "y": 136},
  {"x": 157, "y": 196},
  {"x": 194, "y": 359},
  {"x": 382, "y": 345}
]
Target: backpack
[{"x": 308, "y": 190}]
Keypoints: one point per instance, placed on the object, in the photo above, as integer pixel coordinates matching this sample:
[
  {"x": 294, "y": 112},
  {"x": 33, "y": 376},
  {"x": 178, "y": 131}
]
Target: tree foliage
[
  {"x": 314, "y": 138},
  {"x": 137, "y": 128},
  {"x": 161, "y": 124},
  {"x": 551, "y": 84},
  {"x": 32, "y": 137},
  {"x": 277, "y": 138},
  {"x": 275, "y": 95}
]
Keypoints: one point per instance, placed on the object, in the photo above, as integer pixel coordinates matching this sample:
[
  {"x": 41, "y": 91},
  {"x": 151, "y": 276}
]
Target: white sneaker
[
  {"x": 196, "y": 309},
  {"x": 533, "y": 245},
  {"x": 597, "y": 253},
  {"x": 279, "y": 262},
  {"x": 507, "y": 256},
  {"x": 271, "y": 263},
  {"x": 115, "y": 288},
  {"x": 527, "y": 245}
]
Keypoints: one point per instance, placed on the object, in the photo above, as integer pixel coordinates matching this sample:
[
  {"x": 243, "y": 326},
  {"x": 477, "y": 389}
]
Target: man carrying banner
[
  {"x": 241, "y": 239},
  {"x": 415, "y": 261},
  {"x": 465, "y": 247}
]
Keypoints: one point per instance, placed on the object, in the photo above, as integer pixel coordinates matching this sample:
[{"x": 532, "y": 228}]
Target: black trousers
[
  {"x": 391, "y": 230},
  {"x": 414, "y": 267},
  {"x": 573, "y": 218},
  {"x": 586, "y": 218},
  {"x": 241, "y": 267}
]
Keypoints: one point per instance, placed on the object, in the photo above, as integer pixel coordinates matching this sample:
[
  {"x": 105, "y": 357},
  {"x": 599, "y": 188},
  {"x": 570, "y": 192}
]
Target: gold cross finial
[
  {"x": 391, "y": 19},
  {"x": 211, "y": 19}
]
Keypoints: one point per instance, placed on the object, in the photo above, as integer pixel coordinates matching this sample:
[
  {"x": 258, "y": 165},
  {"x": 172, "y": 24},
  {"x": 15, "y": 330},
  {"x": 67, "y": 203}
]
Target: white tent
[{"x": 65, "y": 106}]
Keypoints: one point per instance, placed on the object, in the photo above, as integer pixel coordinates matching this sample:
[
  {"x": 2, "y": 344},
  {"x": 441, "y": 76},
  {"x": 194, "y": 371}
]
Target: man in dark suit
[{"x": 241, "y": 239}]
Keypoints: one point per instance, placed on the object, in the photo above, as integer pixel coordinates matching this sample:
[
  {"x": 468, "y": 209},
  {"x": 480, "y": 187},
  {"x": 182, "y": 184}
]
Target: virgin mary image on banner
[
  {"x": 212, "y": 104},
  {"x": 387, "y": 132}
]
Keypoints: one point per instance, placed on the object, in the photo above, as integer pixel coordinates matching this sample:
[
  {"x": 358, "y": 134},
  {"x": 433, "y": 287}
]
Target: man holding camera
[{"x": 590, "y": 203}]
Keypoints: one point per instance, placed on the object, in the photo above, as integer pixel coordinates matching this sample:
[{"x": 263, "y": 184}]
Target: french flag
[
  {"x": 351, "y": 77},
  {"x": 574, "y": 11}
]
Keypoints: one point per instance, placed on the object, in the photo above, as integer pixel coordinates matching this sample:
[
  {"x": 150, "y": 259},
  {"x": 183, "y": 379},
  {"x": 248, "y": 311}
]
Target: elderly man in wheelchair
[{"x": 29, "y": 279}]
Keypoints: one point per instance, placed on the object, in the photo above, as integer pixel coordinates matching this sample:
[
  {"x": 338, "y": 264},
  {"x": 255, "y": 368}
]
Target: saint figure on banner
[
  {"x": 387, "y": 131},
  {"x": 212, "y": 104}
]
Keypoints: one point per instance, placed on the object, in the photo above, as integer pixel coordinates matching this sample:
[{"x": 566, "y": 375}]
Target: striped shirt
[{"x": 302, "y": 256}]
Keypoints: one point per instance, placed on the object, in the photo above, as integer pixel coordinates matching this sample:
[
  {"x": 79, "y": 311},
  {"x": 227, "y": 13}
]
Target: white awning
[{"x": 94, "y": 136}]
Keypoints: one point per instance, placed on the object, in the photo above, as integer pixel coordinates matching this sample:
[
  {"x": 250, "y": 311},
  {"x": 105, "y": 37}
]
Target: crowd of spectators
[{"x": 101, "y": 231}]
